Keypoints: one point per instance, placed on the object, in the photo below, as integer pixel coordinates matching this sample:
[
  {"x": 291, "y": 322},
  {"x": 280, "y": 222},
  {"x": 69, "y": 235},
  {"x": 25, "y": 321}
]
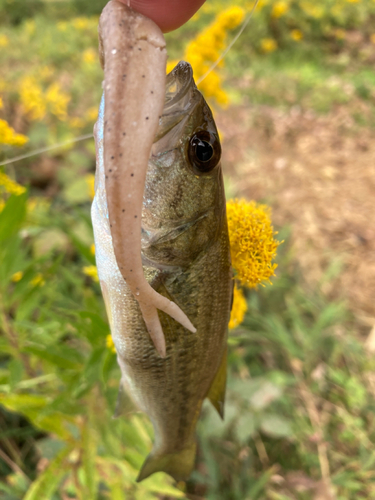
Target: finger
[
  {"x": 152, "y": 321},
  {"x": 167, "y": 14}
]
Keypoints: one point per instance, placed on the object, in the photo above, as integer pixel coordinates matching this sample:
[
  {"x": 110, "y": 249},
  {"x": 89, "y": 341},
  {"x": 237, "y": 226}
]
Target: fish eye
[{"x": 204, "y": 151}]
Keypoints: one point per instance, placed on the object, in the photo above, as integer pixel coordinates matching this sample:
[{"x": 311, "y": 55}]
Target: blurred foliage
[{"x": 300, "y": 411}]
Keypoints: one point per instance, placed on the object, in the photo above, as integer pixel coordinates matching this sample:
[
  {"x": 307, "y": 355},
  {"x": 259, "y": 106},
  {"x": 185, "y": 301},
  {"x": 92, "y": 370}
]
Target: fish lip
[
  {"x": 181, "y": 97},
  {"x": 182, "y": 76}
]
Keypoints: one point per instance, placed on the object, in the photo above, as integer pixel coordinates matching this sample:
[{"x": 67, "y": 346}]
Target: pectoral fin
[{"x": 216, "y": 394}]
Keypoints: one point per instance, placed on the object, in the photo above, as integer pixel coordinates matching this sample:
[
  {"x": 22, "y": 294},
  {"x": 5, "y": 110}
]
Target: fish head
[{"x": 184, "y": 202}]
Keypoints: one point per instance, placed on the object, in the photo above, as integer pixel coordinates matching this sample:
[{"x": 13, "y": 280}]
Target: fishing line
[
  {"x": 239, "y": 33},
  {"x": 44, "y": 150},
  {"x": 88, "y": 136}
]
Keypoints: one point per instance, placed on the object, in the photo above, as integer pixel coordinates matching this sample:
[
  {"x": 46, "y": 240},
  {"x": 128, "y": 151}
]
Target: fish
[{"x": 185, "y": 259}]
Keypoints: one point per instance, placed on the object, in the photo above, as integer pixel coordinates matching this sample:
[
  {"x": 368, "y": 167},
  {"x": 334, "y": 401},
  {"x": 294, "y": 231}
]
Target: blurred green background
[{"x": 296, "y": 115}]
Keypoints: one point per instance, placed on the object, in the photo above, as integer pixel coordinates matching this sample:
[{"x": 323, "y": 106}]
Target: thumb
[{"x": 167, "y": 14}]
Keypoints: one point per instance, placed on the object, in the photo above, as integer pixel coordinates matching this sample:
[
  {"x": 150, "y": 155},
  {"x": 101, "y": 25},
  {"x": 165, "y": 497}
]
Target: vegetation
[{"x": 300, "y": 401}]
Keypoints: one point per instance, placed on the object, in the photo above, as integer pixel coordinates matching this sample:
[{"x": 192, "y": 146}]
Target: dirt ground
[{"x": 318, "y": 174}]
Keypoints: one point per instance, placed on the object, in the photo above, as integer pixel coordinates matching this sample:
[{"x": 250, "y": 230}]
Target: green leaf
[
  {"x": 48, "y": 482},
  {"x": 20, "y": 402},
  {"x": 61, "y": 356},
  {"x": 88, "y": 459},
  {"x": 275, "y": 426},
  {"x": 245, "y": 427},
  {"x": 12, "y": 215},
  {"x": 16, "y": 370},
  {"x": 109, "y": 363}
]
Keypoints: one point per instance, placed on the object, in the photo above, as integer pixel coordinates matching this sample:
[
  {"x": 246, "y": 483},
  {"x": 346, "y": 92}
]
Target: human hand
[{"x": 167, "y": 14}]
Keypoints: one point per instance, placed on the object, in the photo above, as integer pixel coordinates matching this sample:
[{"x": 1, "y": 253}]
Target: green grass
[{"x": 298, "y": 377}]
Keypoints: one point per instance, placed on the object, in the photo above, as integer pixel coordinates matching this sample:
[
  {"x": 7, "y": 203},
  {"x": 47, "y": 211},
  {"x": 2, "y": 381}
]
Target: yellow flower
[
  {"x": 279, "y": 9},
  {"x": 90, "y": 179},
  {"x": 171, "y": 64},
  {"x": 38, "y": 280},
  {"x": 80, "y": 23},
  {"x": 297, "y": 35},
  {"x": 239, "y": 308},
  {"x": 252, "y": 242},
  {"x": 109, "y": 343},
  {"x": 1, "y": 103},
  {"x": 92, "y": 272},
  {"x": 231, "y": 18},
  {"x": 206, "y": 48},
  {"x": 9, "y": 136},
  {"x": 17, "y": 276},
  {"x": 268, "y": 45},
  {"x": 36, "y": 101},
  {"x": 57, "y": 100},
  {"x": 3, "y": 40},
  {"x": 32, "y": 99},
  {"x": 92, "y": 249},
  {"x": 353, "y": 1},
  {"x": 89, "y": 56},
  {"x": 11, "y": 186}
]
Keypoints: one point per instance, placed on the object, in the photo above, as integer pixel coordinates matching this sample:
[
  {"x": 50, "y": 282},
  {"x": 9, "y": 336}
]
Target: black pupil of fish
[{"x": 203, "y": 150}]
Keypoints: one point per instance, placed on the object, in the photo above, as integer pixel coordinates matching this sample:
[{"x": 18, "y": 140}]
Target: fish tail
[{"x": 178, "y": 464}]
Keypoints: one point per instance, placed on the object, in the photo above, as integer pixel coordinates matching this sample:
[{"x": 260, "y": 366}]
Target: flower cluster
[
  {"x": 79, "y": 24},
  {"x": 10, "y": 186},
  {"x": 90, "y": 180},
  {"x": 204, "y": 50},
  {"x": 92, "y": 272},
  {"x": 9, "y": 136},
  {"x": 283, "y": 22},
  {"x": 4, "y": 41},
  {"x": 239, "y": 308},
  {"x": 37, "y": 101},
  {"x": 253, "y": 246},
  {"x": 110, "y": 344}
]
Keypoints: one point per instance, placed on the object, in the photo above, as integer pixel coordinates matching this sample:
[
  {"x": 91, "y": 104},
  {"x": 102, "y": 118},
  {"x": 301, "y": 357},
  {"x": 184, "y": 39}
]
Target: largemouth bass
[{"x": 186, "y": 258}]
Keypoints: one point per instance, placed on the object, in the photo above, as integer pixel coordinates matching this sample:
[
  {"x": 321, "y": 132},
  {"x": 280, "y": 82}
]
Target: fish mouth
[
  {"x": 178, "y": 84},
  {"x": 181, "y": 96}
]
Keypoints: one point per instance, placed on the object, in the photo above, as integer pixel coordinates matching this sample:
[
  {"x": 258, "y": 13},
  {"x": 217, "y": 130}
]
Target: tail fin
[{"x": 179, "y": 465}]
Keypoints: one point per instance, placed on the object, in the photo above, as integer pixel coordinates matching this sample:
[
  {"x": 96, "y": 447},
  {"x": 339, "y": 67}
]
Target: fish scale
[{"x": 185, "y": 250}]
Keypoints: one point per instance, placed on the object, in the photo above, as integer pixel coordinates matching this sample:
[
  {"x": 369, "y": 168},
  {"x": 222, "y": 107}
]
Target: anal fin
[{"x": 216, "y": 393}]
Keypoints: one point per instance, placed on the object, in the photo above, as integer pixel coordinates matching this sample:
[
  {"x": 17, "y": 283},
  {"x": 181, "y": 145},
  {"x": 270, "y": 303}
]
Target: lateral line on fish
[{"x": 90, "y": 136}]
